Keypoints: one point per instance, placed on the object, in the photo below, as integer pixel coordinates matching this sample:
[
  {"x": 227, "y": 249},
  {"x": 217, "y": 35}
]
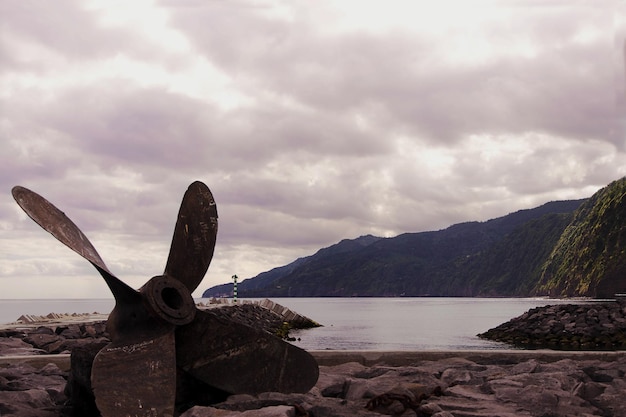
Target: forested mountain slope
[
  {"x": 590, "y": 257},
  {"x": 466, "y": 259}
]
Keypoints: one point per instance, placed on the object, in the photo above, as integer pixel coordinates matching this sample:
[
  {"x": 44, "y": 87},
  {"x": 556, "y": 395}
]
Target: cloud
[
  {"x": 532, "y": 71},
  {"x": 310, "y": 123}
]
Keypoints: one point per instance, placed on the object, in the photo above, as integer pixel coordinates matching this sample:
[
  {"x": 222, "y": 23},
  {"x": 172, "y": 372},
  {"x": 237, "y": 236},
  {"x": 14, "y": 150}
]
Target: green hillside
[{"x": 590, "y": 257}]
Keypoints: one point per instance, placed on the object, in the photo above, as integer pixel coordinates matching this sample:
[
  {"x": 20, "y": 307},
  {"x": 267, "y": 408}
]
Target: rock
[
  {"x": 335, "y": 383},
  {"x": 603, "y": 375},
  {"x": 445, "y": 414},
  {"x": 611, "y": 401},
  {"x": 454, "y": 376},
  {"x": 531, "y": 388},
  {"x": 404, "y": 398},
  {"x": 28, "y": 403},
  {"x": 594, "y": 326},
  {"x": 13, "y": 346},
  {"x": 43, "y": 330},
  {"x": 42, "y": 340},
  {"x": 272, "y": 318},
  {"x": 429, "y": 408},
  {"x": 273, "y": 411},
  {"x": 78, "y": 388},
  {"x": 589, "y": 390},
  {"x": 525, "y": 367},
  {"x": 356, "y": 389},
  {"x": 26, "y": 391},
  {"x": 73, "y": 331}
]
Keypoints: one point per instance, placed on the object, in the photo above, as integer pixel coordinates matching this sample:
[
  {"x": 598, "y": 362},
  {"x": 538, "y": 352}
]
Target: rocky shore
[
  {"x": 539, "y": 383},
  {"x": 451, "y": 387},
  {"x": 593, "y": 326},
  {"x": 461, "y": 385}
]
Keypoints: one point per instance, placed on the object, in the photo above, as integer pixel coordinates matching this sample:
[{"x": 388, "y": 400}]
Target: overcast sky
[{"x": 311, "y": 122}]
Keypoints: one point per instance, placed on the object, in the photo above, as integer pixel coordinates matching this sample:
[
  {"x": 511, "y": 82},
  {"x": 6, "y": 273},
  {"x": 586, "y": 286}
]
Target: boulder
[
  {"x": 273, "y": 411},
  {"x": 10, "y": 346},
  {"x": 26, "y": 391}
]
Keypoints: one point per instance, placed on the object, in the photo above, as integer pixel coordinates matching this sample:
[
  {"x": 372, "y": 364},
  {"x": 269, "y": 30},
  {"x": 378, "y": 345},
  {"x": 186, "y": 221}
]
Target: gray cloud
[
  {"x": 565, "y": 88},
  {"x": 308, "y": 125}
]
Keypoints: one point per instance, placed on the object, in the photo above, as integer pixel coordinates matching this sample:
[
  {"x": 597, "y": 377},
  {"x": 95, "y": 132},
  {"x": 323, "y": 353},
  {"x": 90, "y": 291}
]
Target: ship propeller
[{"x": 158, "y": 331}]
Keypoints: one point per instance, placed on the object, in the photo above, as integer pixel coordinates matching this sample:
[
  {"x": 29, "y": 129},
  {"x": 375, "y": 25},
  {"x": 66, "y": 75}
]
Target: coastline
[
  {"x": 374, "y": 383},
  {"x": 360, "y": 323},
  {"x": 365, "y": 383},
  {"x": 381, "y": 357}
]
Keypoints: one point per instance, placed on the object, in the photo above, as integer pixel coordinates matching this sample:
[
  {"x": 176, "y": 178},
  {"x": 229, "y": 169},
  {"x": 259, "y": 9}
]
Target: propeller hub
[{"x": 169, "y": 299}]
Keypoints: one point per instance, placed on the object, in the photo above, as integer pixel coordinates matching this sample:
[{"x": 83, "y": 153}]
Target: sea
[{"x": 401, "y": 324}]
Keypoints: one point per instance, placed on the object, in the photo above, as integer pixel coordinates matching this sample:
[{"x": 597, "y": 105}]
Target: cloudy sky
[{"x": 311, "y": 122}]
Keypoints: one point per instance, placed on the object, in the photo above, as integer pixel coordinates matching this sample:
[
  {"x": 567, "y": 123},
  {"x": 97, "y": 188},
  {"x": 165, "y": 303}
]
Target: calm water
[
  {"x": 357, "y": 323},
  {"x": 406, "y": 323},
  {"x": 11, "y": 310}
]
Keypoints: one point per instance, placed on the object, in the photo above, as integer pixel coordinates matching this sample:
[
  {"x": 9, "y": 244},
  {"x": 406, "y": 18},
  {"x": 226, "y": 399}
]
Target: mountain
[
  {"x": 513, "y": 265},
  {"x": 409, "y": 264},
  {"x": 265, "y": 279},
  {"x": 562, "y": 248},
  {"x": 590, "y": 257}
]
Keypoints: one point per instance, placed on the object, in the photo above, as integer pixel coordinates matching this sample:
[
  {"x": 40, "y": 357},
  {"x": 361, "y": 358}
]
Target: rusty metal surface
[
  {"x": 194, "y": 237},
  {"x": 136, "y": 379},
  {"x": 54, "y": 221},
  {"x": 239, "y": 359},
  {"x": 157, "y": 330}
]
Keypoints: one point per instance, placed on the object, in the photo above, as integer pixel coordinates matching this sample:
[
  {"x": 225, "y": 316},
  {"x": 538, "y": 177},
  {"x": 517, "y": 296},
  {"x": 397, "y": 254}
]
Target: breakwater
[
  {"x": 593, "y": 326},
  {"x": 291, "y": 318}
]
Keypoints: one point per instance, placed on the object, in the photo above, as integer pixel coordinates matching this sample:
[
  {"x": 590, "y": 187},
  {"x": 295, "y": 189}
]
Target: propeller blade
[
  {"x": 55, "y": 222},
  {"x": 194, "y": 237},
  {"x": 240, "y": 359},
  {"x": 135, "y": 375},
  {"x": 136, "y": 378}
]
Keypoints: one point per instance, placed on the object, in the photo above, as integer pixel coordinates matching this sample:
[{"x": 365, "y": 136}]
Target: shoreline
[
  {"x": 407, "y": 383},
  {"x": 392, "y": 329},
  {"x": 381, "y": 357},
  {"x": 533, "y": 321},
  {"x": 362, "y": 383}
]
